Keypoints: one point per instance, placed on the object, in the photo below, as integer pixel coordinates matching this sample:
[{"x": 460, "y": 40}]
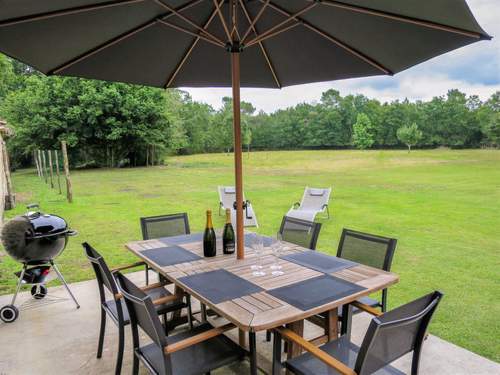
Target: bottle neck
[
  {"x": 228, "y": 216},
  {"x": 209, "y": 220}
]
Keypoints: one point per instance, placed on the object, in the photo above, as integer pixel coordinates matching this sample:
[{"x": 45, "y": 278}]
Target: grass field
[{"x": 443, "y": 207}]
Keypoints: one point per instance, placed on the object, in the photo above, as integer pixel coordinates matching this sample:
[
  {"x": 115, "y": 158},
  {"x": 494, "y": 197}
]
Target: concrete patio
[{"x": 58, "y": 339}]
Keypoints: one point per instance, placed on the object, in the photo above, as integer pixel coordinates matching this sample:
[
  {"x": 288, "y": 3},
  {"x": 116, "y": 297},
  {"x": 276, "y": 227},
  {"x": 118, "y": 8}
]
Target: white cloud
[{"x": 459, "y": 69}]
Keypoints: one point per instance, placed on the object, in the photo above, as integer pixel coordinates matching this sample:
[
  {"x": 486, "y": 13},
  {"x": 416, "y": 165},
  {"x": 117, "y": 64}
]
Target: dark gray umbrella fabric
[
  {"x": 219, "y": 43},
  {"x": 155, "y": 42}
]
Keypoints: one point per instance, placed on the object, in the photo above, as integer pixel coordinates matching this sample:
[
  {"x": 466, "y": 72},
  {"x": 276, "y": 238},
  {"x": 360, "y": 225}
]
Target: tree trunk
[
  {"x": 10, "y": 193},
  {"x": 44, "y": 165},
  {"x": 147, "y": 156},
  {"x": 409, "y": 148}
]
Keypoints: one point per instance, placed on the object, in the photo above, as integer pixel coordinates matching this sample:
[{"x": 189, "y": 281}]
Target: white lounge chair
[
  {"x": 227, "y": 197},
  {"x": 314, "y": 201}
]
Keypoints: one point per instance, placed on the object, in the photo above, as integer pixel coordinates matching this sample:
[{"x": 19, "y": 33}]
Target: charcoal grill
[{"x": 34, "y": 240}]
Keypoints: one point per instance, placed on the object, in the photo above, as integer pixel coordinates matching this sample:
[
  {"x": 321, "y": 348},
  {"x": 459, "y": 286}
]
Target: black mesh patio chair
[
  {"x": 114, "y": 305},
  {"x": 164, "y": 226},
  {"x": 368, "y": 249},
  {"x": 390, "y": 335},
  {"x": 300, "y": 232},
  {"x": 371, "y": 250},
  {"x": 197, "y": 351}
]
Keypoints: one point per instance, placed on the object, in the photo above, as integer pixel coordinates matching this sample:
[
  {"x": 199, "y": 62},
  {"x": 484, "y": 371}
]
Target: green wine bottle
[
  {"x": 209, "y": 240},
  {"x": 228, "y": 238}
]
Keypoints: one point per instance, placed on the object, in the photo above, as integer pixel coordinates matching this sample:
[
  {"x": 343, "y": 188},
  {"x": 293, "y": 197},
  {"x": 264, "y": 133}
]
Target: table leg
[
  {"x": 332, "y": 324},
  {"x": 242, "y": 339},
  {"x": 252, "y": 352},
  {"x": 294, "y": 350}
]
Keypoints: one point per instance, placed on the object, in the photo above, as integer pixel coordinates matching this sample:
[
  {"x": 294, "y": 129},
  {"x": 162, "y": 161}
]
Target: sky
[{"x": 474, "y": 69}]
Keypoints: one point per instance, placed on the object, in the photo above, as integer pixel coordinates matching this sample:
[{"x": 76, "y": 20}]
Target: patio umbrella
[{"x": 201, "y": 43}]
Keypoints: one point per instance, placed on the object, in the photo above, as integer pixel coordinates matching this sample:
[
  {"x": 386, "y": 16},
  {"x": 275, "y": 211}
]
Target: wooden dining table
[{"x": 262, "y": 302}]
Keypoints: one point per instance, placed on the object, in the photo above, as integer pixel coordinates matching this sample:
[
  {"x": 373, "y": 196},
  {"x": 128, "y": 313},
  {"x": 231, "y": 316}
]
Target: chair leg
[
  {"x": 135, "y": 365},
  {"x": 165, "y": 323},
  {"x": 146, "y": 268},
  {"x": 276, "y": 353},
  {"x": 101, "y": 333},
  {"x": 203, "y": 313},
  {"x": 189, "y": 312},
  {"x": 268, "y": 335},
  {"x": 121, "y": 345},
  {"x": 253, "y": 353},
  {"x": 345, "y": 327}
]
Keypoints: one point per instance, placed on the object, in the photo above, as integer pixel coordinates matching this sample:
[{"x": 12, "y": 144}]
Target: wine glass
[
  {"x": 257, "y": 244},
  {"x": 277, "y": 247}
]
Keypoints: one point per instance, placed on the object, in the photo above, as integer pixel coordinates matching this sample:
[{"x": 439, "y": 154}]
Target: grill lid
[{"x": 46, "y": 225}]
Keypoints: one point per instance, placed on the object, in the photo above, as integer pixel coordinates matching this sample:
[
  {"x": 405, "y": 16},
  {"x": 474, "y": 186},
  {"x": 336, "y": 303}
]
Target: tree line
[{"x": 116, "y": 124}]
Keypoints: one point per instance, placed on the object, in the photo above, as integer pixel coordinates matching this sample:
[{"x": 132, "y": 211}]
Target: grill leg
[
  {"x": 60, "y": 276},
  {"x": 19, "y": 283}
]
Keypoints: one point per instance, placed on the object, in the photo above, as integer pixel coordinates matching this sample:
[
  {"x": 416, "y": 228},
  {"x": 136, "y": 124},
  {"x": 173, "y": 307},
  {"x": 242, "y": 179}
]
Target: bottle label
[{"x": 229, "y": 248}]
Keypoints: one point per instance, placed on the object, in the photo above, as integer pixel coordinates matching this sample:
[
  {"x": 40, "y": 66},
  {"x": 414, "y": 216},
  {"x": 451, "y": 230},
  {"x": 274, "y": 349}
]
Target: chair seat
[
  {"x": 155, "y": 293},
  {"x": 365, "y": 300},
  {"x": 196, "y": 359},
  {"x": 343, "y": 350}
]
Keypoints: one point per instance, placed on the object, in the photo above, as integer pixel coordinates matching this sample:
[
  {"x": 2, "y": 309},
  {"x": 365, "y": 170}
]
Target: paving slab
[{"x": 56, "y": 338}]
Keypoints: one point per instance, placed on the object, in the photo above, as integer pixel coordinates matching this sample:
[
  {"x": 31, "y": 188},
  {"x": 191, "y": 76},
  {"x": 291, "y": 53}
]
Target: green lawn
[{"x": 442, "y": 205}]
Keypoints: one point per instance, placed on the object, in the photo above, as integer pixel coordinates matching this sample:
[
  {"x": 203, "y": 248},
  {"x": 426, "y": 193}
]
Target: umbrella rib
[
  {"x": 222, "y": 20},
  {"x": 67, "y": 12},
  {"x": 254, "y": 21},
  {"x": 291, "y": 17},
  {"x": 186, "y": 19},
  {"x": 179, "y": 28},
  {"x": 190, "y": 49},
  {"x": 334, "y": 40},
  {"x": 263, "y": 49},
  {"x": 401, "y": 18},
  {"x": 118, "y": 39}
]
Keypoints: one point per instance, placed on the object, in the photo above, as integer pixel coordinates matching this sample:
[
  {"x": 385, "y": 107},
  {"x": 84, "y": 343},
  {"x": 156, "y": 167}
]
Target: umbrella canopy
[{"x": 199, "y": 43}]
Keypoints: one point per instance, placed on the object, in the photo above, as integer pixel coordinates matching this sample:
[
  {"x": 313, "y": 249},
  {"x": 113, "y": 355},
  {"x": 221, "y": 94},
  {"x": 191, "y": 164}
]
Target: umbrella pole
[{"x": 238, "y": 164}]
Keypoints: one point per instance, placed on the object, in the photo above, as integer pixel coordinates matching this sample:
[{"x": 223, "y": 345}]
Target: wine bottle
[
  {"x": 209, "y": 240},
  {"x": 228, "y": 238}
]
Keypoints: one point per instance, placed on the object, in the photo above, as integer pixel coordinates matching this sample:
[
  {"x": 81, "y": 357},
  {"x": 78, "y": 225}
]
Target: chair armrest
[
  {"x": 296, "y": 204},
  {"x": 315, "y": 351},
  {"x": 196, "y": 339},
  {"x": 144, "y": 288},
  {"x": 325, "y": 206},
  {"x": 167, "y": 299},
  {"x": 366, "y": 308},
  {"x": 136, "y": 264}
]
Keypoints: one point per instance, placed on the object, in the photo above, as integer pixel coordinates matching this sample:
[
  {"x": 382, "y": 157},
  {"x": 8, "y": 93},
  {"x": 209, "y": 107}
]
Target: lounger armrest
[
  {"x": 315, "y": 351},
  {"x": 324, "y": 206},
  {"x": 196, "y": 339},
  {"x": 296, "y": 204},
  {"x": 136, "y": 264},
  {"x": 366, "y": 308}
]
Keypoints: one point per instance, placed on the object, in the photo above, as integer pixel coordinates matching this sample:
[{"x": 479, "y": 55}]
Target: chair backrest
[
  {"x": 300, "y": 232},
  {"x": 141, "y": 310},
  {"x": 165, "y": 226},
  {"x": 103, "y": 274},
  {"x": 396, "y": 333},
  {"x": 368, "y": 249},
  {"x": 315, "y": 198},
  {"x": 227, "y": 196}
]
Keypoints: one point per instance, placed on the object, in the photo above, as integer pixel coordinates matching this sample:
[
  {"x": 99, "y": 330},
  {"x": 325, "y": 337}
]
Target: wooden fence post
[
  {"x": 44, "y": 162},
  {"x": 69, "y": 189},
  {"x": 56, "y": 156},
  {"x": 40, "y": 164},
  {"x": 35, "y": 159},
  {"x": 51, "y": 170}
]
